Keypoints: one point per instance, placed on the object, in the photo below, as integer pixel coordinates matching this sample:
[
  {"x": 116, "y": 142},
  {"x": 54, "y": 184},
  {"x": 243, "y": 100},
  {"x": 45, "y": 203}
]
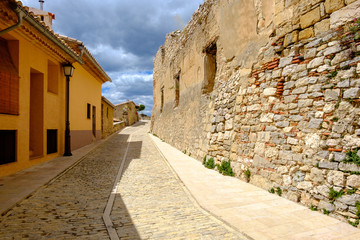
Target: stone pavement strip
[
  {"x": 251, "y": 210},
  {"x": 150, "y": 202}
]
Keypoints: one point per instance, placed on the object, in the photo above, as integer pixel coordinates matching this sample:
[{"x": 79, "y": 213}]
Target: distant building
[
  {"x": 33, "y": 90},
  {"x": 107, "y": 117},
  {"x": 127, "y": 112},
  {"x": 109, "y": 125}
]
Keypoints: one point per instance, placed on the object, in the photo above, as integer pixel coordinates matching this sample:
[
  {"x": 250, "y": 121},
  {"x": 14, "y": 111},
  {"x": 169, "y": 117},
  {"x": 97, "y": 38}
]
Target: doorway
[
  {"x": 94, "y": 121},
  {"x": 36, "y": 114}
]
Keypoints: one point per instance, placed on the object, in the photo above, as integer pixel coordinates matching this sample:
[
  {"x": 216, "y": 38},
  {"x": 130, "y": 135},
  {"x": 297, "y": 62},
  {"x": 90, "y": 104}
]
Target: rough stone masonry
[{"x": 273, "y": 86}]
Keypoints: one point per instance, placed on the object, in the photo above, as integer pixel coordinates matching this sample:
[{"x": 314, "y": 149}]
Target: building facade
[
  {"x": 127, "y": 112},
  {"x": 33, "y": 90},
  {"x": 272, "y": 86}
]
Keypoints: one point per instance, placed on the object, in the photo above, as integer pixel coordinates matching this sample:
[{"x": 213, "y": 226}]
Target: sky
[{"x": 123, "y": 36}]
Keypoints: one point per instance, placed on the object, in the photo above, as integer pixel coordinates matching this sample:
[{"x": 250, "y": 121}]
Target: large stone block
[
  {"x": 352, "y": 93},
  {"x": 310, "y": 18},
  {"x": 336, "y": 178},
  {"x": 306, "y": 33},
  {"x": 332, "y": 94},
  {"x": 333, "y": 5},
  {"x": 316, "y": 175},
  {"x": 341, "y": 57},
  {"x": 353, "y": 181},
  {"x": 312, "y": 141},
  {"x": 349, "y": 199},
  {"x": 291, "y": 38},
  {"x": 349, "y": 167},
  {"x": 229, "y": 124},
  {"x": 305, "y": 185},
  {"x": 269, "y": 92},
  {"x": 315, "y": 123},
  {"x": 316, "y": 62},
  {"x": 329, "y": 165},
  {"x": 322, "y": 26},
  {"x": 326, "y": 205}
]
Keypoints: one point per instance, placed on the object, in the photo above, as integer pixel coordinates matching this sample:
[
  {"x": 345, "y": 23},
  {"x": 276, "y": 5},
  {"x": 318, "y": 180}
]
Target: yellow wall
[
  {"x": 31, "y": 58},
  {"x": 84, "y": 88}
]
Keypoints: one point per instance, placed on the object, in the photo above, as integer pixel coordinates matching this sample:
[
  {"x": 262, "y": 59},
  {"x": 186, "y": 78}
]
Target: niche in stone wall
[
  {"x": 209, "y": 67},
  {"x": 162, "y": 99},
  {"x": 177, "y": 88}
]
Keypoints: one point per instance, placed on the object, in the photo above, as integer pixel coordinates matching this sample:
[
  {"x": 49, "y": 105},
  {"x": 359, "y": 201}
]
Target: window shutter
[{"x": 9, "y": 82}]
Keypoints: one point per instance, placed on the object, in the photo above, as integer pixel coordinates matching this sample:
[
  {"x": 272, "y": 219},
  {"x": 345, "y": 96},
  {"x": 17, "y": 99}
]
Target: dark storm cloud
[
  {"x": 137, "y": 26},
  {"x": 123, "y": 35}
]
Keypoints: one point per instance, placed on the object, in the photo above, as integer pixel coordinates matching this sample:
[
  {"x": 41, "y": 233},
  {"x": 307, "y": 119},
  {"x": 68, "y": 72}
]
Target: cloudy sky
[{"x": 123, "y": 35}]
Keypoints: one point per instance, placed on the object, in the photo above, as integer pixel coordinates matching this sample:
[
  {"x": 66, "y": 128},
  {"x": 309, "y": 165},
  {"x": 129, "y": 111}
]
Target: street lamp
[{"x": 68, "y": 72}]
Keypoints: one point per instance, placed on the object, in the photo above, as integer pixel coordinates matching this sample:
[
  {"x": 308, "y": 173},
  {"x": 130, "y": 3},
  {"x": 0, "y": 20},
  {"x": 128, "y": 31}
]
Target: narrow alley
[
  {"x": 135, "y": 186},
  {"x": 150, "y": 202}
]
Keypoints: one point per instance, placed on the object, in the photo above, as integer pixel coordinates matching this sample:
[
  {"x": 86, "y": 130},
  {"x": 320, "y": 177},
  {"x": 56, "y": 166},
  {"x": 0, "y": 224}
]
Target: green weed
[
  {"x": 247, "y": 174},
  {"x": 352, "y": 157},
  {"x": 225, "y": 168},
  {"x": 313, "y": 208},
  {"x": 335, "y": 194},
  {"x": 209, "y": 163},
  {"x": 326, "y": 212}
]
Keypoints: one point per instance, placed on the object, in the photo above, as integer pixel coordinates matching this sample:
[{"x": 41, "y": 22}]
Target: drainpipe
[{"x": 20, "y": 16}]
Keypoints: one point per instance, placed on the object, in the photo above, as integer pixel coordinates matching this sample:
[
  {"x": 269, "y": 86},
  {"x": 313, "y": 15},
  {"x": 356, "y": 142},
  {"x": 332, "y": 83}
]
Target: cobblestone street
[{"x": 150, "y": 202}]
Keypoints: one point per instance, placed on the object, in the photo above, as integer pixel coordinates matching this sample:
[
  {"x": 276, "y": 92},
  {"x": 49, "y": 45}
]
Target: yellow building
[{"x": 33, "y": 91}]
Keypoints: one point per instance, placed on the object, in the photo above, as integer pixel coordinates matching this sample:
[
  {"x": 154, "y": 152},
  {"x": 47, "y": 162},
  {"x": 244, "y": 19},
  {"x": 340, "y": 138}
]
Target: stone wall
[{"x": 285, "y": 98}]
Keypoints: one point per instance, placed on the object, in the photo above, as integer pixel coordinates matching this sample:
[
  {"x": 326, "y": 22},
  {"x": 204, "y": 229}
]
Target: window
[
  {"x": 88, "y": 111},
  {"x": 53, "y": 75},
  {"x": 7, "y": 146},
  {"x": 177, "y": 89},
  {"x": 107, "y": 112},
  {"x": 51, "y": 141},
  {"x": 162, "y": 99},
  {"x": 9, "y": 77},
  {"x": 209, "y": 68}
]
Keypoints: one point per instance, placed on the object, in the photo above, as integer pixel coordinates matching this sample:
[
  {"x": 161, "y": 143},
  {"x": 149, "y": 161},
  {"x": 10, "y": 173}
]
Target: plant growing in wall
[
  {"x": 209, "y": 163},
  {"x": 313, "y": 208},
  {"x": 354, "y": 31},
  {"x": 247, "y": 174},
  {"x": 326, "y": 212},
  {"x": 335, "y": 194},
  {"x": 225, "y": 168},
  {"x": 356, "y": 223},
  {"x": 352, "y": 157}
]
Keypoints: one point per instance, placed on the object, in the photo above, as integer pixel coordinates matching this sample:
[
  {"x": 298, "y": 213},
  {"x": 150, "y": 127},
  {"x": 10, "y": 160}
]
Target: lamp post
[{"x": 68, "y": 72}]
